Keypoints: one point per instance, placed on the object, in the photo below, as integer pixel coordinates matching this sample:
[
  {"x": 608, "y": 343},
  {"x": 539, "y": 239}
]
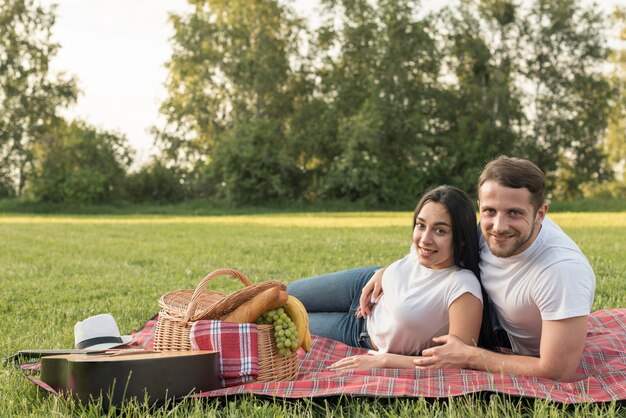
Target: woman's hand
[
  {"x": 374, "y": 361},
  {"x": 361, "y": 362},
  {"x": 371, "y": 294}
]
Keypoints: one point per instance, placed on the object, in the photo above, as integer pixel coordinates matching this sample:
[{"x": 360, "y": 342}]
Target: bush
[
  {"x": 79, "y": 164},
  {"x": 605, "y": 190},
  {"x": 6, "y": 188},
  {"x": 155, "y": 182},
  {"x": 252, "y": 165}
]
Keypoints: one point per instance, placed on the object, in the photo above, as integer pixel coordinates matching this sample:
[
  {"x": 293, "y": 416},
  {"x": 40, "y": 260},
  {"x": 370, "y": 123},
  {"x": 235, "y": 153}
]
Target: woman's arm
[
  {"x": 374, "y": 361},
  {"x": 465, "y": 315},
  {"x": 371, "y": 294}
]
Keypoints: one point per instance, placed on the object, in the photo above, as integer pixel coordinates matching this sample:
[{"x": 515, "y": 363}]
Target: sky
[{"x": 117, "y": 50}]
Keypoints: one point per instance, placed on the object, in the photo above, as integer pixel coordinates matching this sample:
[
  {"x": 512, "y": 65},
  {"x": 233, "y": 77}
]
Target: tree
[
  {"x": 379, "y": 81},
  {"x": 383, "y": 103},
  {"x": 568, "y": 93},
  {"x": 483, "y": 116},
  {"x": 616, "y": 136},
  {"x": 80, "y": 164},
  {"x": 530, "y": 84},
  {"x": 30, "y": 97},
  {"x": 230, "y": 72}
]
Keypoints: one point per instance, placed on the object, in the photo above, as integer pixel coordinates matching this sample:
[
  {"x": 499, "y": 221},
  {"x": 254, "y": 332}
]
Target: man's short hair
[{"x": 516, "y": 173}]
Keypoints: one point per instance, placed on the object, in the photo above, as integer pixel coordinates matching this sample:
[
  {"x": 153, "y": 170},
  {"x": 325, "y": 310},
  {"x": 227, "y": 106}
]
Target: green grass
[{"x": 56, "y": 270}]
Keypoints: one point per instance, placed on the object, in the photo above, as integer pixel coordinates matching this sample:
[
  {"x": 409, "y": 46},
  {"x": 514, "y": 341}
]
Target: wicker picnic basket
[{"x": 181, "y": 308}]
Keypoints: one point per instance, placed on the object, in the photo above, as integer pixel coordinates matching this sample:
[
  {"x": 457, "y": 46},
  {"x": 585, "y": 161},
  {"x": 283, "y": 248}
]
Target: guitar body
[{"x": 119, "y": 377}]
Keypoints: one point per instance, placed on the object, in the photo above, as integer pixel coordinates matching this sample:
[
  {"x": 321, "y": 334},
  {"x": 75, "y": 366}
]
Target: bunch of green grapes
[{"x": 285, "y": 331}]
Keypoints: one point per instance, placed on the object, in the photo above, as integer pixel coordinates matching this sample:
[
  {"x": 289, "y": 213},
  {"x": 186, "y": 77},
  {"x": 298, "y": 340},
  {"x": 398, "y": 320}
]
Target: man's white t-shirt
[
  {"x": 414, "y": 306},
  {"x": 550, "y": 280}
]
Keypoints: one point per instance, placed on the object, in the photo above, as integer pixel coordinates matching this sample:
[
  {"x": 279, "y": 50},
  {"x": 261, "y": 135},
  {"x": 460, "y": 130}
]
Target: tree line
[{"x": 375, "y": 104}]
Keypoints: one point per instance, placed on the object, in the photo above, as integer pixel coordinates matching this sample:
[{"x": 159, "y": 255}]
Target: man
[{"x": 540, "y": 283}]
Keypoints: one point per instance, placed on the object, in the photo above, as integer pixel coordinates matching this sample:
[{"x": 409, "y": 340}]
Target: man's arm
[{"x": 562, "y": 344}]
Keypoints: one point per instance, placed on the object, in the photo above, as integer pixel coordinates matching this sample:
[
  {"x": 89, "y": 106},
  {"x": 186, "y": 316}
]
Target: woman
[{"x": 433, "y": 291}]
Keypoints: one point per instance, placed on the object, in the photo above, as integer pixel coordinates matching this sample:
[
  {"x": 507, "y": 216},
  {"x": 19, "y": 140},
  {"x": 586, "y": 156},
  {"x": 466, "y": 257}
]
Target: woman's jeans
[{"x": 331, "y": 301}]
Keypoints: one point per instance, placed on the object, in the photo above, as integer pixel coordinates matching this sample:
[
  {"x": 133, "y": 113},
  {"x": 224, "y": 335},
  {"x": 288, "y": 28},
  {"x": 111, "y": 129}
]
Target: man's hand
[
  {"x": 562, "y": 344},
  {"x": 453, "y": 354},
  {"x": 371, "y": 294}
]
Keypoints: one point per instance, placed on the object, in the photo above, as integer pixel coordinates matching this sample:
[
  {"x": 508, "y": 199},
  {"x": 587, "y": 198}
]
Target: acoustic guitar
[{"x": 120, "y": 376}]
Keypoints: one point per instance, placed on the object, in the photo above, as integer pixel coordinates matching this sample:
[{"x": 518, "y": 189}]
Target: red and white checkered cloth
[
  {"x": 601, "y": 374},
  {"x": 238, "y": 347}
]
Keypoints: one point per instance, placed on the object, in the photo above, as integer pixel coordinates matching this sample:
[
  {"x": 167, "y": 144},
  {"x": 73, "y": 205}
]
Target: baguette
[{"x": 252, "y": 309}]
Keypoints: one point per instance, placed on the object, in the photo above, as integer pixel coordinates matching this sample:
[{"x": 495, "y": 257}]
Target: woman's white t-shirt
[{"x": 414, "y": 307}]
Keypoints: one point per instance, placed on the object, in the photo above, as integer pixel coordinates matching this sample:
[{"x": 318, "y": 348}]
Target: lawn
[{"x": 56, "y": 270}]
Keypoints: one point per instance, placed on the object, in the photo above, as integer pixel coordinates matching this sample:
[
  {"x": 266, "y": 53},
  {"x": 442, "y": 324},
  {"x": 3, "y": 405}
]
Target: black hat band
[{"x": 98, "y": 340}]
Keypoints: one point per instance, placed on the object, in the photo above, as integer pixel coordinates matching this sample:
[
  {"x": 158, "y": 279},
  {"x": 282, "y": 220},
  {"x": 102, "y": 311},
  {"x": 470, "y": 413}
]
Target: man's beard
[{"x": 512, "y": 246}]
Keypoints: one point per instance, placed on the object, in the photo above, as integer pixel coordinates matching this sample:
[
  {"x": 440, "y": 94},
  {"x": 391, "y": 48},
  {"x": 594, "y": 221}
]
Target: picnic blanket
[{"x": 601, "y": 375}]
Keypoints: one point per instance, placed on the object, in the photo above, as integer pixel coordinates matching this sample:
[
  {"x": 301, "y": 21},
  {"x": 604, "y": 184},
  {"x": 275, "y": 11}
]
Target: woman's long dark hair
[{"x": 464, "y": 243}]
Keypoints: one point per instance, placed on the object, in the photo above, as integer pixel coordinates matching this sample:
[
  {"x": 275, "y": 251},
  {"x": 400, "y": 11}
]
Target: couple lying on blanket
[{"x": 458, "y": 298}]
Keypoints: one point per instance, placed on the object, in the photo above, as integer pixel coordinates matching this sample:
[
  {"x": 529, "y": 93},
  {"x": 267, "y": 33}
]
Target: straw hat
[{"x": 98, "y": 332}]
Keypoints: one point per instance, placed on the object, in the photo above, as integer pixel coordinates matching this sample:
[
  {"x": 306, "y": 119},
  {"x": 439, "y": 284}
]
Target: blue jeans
[{"x": 331, "y": 301}]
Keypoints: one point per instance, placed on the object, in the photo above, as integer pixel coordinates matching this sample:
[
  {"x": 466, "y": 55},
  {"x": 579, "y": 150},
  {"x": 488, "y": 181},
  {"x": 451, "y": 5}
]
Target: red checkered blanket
[
  {"x": 238, "y": 347},
  {"x": 601, "y": 375}
]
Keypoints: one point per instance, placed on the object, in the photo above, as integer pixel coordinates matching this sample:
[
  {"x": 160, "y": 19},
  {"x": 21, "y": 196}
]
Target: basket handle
[{"x": 191, "y": 308}]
